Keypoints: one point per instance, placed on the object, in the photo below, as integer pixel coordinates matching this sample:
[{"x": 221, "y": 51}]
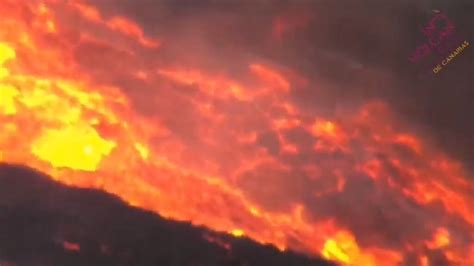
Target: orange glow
[
  {"x": 440, "y": 240},
  {"x": 216, "y": 86},
  {"x": 424, "y": 261},
  {"x": 409, "y": 141},
  {"x": 325, "y": 128},
  {"x": 119, "y": 24},
  {"x": 45, "y": 18},
  {"x": 330, "y": 136},
  {"x": 270, "y": 76},
  {"x": 130, "y": 29},
  {"x": 89, "y": 12},
  {"x": 222, "y": 156}
]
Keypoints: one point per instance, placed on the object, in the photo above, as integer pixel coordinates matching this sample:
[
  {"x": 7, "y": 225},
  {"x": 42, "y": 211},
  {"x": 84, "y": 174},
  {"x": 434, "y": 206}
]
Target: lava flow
[{"x": 84, "y": 99}]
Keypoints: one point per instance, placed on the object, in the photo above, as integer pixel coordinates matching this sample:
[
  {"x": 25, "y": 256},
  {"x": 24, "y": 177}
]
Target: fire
[
  {"x": 76, "y": 148},
  {"x": 440, "y": 239},
  {"x": 119, "y": 24},
  {"x": 344, "y": 249},
  {"x": 231, "y": 175},
  {"x": 237, "y": 232}
]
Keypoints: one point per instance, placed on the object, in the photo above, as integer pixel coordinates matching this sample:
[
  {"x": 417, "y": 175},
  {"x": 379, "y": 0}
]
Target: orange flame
[{"x": 55, "y": 117}]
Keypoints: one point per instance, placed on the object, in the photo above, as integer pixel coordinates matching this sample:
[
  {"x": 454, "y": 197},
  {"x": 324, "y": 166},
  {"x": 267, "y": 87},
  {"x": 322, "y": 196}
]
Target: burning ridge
[{"x": 43, "y": 222}]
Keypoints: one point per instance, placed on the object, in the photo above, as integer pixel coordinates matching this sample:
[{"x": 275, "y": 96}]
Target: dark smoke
[{"x": 360, "y": 48}]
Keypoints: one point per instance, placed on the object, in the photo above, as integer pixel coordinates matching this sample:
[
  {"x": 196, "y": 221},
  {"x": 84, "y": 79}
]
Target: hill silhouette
[{"x": 43, "y": 222}]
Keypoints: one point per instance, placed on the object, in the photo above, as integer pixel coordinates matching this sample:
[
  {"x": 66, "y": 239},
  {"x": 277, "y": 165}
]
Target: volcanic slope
[{"x": 46, "y": 223}]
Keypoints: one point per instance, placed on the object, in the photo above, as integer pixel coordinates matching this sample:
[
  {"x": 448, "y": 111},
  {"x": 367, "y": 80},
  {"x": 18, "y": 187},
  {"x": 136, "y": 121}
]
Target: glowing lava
[{"x": 232, "y": 177}]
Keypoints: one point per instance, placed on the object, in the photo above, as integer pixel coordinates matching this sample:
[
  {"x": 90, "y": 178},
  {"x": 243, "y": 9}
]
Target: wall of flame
[{"x": 231, "y": 152}]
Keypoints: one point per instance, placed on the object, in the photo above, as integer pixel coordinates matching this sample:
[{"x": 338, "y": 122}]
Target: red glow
[{"x": 71, "y": 246}]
